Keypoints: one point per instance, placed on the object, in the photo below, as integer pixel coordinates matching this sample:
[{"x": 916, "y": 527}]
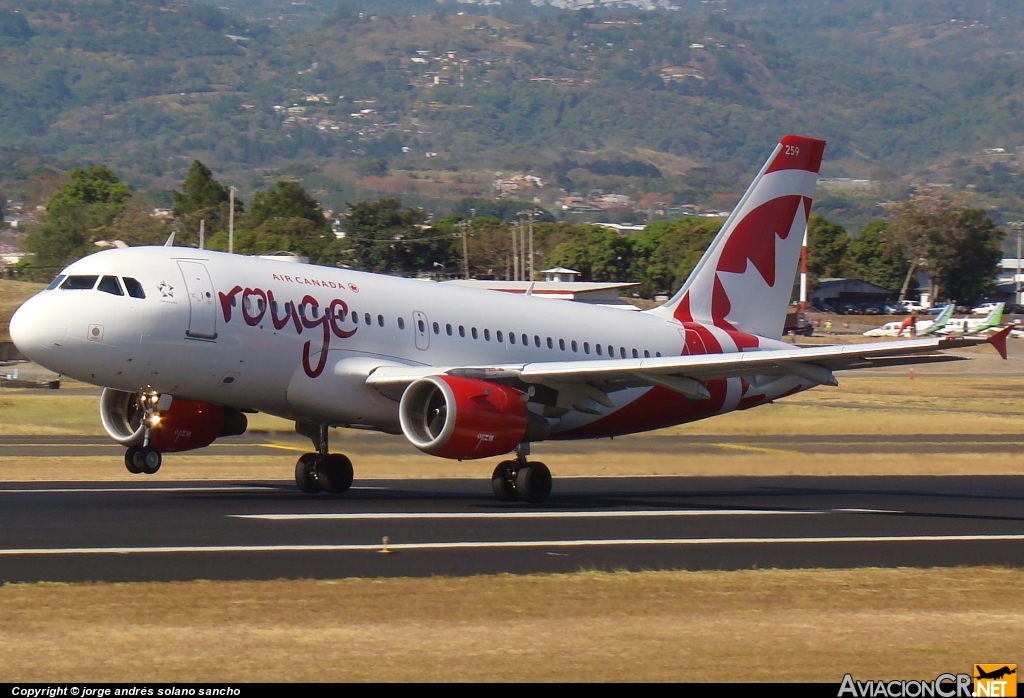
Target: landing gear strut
[
  {"x": 322, "y": 471},
  {"x": 529, "y": 481},
  {"x": 145, "y": 458}
]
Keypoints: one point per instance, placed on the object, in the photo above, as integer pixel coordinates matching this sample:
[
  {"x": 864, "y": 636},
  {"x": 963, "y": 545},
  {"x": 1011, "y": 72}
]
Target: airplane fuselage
[{"x": 298, "y": 341}]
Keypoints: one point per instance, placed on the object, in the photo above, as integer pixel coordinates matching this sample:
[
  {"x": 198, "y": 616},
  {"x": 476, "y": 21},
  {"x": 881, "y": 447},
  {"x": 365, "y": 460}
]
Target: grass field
[{"x": 779, "y": 625}]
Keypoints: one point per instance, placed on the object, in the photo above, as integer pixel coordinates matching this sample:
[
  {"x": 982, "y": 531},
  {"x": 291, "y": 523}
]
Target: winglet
[
  {"x": 529, "y": 291},
  {"x": 170, "y": 239},
  {"x": 998, "y": 340}
]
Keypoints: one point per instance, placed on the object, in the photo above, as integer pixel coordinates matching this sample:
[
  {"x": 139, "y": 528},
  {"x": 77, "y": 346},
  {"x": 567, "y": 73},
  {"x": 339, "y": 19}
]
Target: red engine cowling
[
  {"x": 183, "y": 426},
  {"x": 462, "y": 418}
]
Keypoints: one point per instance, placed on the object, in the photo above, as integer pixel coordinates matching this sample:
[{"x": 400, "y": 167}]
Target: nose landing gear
[
  {"x": 142, "y": 459},
  {"x": 529, "y": 481},
  {"x": 322, "y": 471}
]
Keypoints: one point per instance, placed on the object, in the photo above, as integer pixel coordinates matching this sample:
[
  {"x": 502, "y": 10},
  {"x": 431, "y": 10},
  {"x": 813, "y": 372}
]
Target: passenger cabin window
[
  {"x": 462, "y": 331},
  {"x": 526, "y": 341},
  {"x": 487, "y": 335},
  {"x": 473, "y": 332},
  {"x": 561, "y": 344},
  {"x": 110, "y": 284},
  {"x": 499, "y": 336},
  {"x": 575, "y": 347},
  {"x": 611, "y": 351},
  {"x": 366, "y": 317},
  {"x": 536, "y": 341},
  {"x": 550, "y": 344},
  {"x": 598, "y": 347},
  {"x": 79, "y": 283},
  {"x": 423, "y": 327},
  {"x": 380, "y": 321},
  {"x": 622, "y": 352},
  {"x": 437, "y": 328},
  {"x": 56, "y": 282},
  {"x": 586, "y": 347},
  {"x": 636, "y": 355},
  {"x": 448, "y": 329},
  {"x": 511, "y": 337},
  {"x": 401, "y": 323},
  {"x": 355, "y": 318}
]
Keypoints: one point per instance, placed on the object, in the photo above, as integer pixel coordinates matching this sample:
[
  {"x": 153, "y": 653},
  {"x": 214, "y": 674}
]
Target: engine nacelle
[
  {"x": 183, "y": 426},
  {"x": 463, "y": 418}
]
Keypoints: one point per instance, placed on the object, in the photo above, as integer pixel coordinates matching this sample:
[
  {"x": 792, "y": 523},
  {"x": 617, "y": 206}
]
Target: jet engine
[
  {"x": 463, "y": 418},
  {"x": 184, "y": 425}
]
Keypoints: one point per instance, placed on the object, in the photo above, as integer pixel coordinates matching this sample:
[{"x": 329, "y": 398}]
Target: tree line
[{"x": 958, "y": 248}]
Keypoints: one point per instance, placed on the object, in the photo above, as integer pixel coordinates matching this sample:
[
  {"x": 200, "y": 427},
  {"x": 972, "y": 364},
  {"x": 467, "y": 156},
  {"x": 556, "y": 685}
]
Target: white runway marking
[
  {"x": 360, "y": 516},
  {"x": 463, "y": 545},
  {"x": 203, "y": 488}
]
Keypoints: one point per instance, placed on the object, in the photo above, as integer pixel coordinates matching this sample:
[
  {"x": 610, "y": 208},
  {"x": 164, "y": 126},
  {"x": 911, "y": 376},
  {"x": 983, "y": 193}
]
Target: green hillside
[{"x": 681, "y": 105}]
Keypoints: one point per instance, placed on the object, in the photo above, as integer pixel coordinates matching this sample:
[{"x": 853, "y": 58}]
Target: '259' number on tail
[{"x": 792, "y": 150}]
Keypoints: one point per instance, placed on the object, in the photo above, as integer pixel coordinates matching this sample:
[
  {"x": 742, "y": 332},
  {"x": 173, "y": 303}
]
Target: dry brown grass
[{"x": 804, "y": 625}]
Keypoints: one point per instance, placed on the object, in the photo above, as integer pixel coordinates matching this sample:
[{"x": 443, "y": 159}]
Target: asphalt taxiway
[{"x": 141, "y": 531}]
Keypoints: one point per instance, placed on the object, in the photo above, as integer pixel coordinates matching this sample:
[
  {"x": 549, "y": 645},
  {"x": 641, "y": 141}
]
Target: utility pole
[
  {"x": 531, "y": 245},
  {"x": 231, "y": 223},
  {"x": 464, "y": 226},
  {"x": 515, "y": 253}
]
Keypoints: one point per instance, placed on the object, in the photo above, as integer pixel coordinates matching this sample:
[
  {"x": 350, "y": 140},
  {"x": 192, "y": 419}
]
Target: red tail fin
[{"x": 998, "y": 340}]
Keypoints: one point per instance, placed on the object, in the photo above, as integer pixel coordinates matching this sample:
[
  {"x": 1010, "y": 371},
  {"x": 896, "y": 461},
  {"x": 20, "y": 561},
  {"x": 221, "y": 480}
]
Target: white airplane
[
  {"x": 922, "y": 328},
  {"x": 969, "y": 325},
  {"x": 186, "y": 341}
]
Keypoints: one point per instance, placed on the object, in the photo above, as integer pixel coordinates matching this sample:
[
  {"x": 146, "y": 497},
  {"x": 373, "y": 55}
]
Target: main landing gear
[
  {"x": 323, "y": 471},
  {"x": 529, "y": 481}
]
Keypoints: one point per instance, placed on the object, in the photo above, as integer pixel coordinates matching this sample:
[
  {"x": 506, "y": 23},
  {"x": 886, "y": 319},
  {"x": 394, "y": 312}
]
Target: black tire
[
  {"x": 503, "y": 481},
  {"x": 305, "y": 473},
  {"x": 334, "y": 473},
  {"x": 533, "y": 483},
  {"x": 129, "y": 460},
  {"x": 148, "y": 460}
]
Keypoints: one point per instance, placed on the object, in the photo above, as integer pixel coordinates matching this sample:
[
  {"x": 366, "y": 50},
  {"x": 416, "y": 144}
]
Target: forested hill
[{"x": 145, "y": 87}]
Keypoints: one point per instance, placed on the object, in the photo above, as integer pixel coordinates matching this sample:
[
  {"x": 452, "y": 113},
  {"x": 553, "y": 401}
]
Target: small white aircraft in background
[
  {"x": 923, "y": 328},
  {"x": 968, "y": 325},
  {"x": 185, "y": 342}
]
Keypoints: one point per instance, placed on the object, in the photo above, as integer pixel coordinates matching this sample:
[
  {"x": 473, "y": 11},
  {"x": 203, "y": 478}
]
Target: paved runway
[
  {"x": 265, "y": 530},
  {"x": 383, "y": 444}
]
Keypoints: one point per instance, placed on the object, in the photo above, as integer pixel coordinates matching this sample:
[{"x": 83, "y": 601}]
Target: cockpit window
[
  {"x": 79, "y": 283},
  {"x": 55, "y": 283},
  {"x": 109, "y": 284},
  {"x": 134, "y": 288}
]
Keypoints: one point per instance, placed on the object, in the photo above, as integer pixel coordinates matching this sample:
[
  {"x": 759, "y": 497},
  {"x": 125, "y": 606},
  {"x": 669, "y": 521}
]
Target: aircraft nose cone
[{"x": 33, "y": 335}]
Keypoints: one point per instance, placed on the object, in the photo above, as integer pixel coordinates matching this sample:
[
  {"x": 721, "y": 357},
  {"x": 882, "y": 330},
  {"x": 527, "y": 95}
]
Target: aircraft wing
[{"x": 686, "y": 373}]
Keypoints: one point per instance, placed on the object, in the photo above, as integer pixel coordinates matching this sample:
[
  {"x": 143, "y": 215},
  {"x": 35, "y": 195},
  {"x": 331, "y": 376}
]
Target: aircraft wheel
[
  {"x": 305, "y": 473},
  {"x": 503, "y": 481},
  {"x": 533, "y": 482},
  {"x": 148, "y": 460},
  {"x": 334, "y": 473},
  {"x": 129, "y": 460}
]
